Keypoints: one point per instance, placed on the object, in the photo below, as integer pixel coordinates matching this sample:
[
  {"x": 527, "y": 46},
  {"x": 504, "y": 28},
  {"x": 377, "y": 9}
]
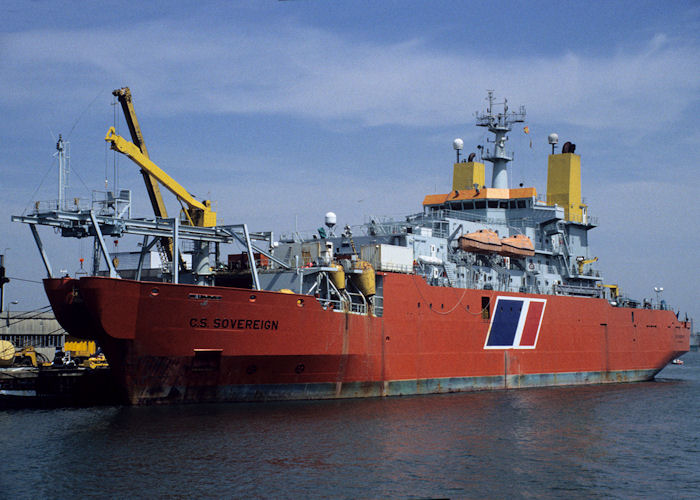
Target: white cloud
[{"x": 310, "y": 72}]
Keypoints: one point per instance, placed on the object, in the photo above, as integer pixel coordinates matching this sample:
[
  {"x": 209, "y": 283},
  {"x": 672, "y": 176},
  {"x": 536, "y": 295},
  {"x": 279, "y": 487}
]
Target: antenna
[
  {"x": 499, "y": 124},
  {"x": 553, "y": 140}
]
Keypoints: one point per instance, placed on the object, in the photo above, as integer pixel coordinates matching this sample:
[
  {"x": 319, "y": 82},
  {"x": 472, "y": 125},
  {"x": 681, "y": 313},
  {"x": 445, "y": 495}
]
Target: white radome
[
  {"x": 331, "y": 219},
  {"x": 458, "y": 144}
]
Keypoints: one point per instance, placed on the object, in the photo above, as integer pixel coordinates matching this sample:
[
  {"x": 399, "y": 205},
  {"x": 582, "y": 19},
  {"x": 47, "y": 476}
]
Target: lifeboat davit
[
  {"x": 482, "y": 241},
  {"x": 517, "y": 246}
]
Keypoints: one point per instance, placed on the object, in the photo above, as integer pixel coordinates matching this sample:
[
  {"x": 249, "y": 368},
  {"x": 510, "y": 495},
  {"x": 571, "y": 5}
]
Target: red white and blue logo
[{"x": 515, "y": 323}]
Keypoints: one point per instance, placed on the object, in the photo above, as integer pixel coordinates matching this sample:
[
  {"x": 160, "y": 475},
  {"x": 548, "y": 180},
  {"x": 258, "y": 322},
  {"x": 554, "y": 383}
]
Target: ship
[{"x": 485, "y": 288}]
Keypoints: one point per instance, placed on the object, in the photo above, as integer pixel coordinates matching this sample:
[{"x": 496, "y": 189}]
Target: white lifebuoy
[{"x": 531, "y": 266}]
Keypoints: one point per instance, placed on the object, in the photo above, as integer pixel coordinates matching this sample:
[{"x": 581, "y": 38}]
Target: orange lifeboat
[
  {"x": 482, "y": 241},
  {"x": 517, "y": 246}
]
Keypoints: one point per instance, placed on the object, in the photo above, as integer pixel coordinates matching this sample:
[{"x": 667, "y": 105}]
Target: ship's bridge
[{"x": 481, "y": 199}]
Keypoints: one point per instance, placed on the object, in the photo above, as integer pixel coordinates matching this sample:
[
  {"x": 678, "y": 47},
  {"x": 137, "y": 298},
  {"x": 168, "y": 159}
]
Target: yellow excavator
[{"x": 20, "y": 356}]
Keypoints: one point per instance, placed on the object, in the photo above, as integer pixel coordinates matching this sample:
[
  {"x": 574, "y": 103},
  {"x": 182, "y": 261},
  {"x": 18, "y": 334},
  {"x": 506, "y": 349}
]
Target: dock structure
[
  {"x": 29, "y": 387},
  {"x": 32, "y": 328}
]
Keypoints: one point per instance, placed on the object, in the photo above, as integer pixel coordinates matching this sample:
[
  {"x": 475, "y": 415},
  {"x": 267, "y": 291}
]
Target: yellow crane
[
  {"x": 123, "y": 95},
  {"x": 197, "y": 213},
  {"x": 614, "y": 290},
  {"x": 582, "y": 262}
]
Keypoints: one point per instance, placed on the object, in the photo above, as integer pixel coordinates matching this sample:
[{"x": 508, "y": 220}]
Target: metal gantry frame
[{"x": 86, "y": 223}]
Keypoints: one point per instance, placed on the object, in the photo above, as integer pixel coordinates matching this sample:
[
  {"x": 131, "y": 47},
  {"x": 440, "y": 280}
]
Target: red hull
[{"x": 169, "y": 343}]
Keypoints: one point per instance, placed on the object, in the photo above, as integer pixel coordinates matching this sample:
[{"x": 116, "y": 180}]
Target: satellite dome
[
  {"x": 331, "y": 219},
  {"x": 458, "y": 144},
  {"x": 553, "y": 138}
]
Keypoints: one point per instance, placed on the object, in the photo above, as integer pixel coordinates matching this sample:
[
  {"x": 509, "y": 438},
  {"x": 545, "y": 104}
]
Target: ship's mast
[
  {"x": 499, "y": 124},
  {"x": 63, "y": 153}
]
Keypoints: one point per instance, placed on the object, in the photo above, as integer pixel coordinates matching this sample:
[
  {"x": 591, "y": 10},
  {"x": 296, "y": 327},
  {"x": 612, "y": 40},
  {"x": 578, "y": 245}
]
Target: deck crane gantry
[
  {"x": 123, "y": 95},
  {"x": 197, "y": 213}
]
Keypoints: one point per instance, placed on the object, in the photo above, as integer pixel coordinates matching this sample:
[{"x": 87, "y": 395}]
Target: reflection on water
[{"x": 629, "y": 440}]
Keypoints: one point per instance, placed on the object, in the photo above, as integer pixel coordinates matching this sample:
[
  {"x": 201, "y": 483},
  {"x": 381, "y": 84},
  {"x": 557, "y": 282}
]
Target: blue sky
[{"x": 282, "y": 110}]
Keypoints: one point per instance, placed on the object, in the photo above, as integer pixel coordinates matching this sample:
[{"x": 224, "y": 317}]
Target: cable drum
[{"x": 7, "y": 353}]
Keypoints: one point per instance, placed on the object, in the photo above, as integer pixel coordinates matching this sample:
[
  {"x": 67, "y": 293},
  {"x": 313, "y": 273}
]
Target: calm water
[{"x": 629, "y": 440}]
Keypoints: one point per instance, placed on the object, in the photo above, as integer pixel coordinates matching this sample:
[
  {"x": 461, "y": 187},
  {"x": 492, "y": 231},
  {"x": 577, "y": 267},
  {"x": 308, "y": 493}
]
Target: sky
[{"x": 280, "y": 111}]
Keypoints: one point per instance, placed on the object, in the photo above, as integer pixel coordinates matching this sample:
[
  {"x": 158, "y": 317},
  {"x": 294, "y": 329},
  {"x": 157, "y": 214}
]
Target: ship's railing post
[
  {"x": 251, "y": 258},
  {"x": 95, "y": 256},
  {"x": 176, "y": 250},
  {"x": 145, "y": 248},
  {"x": 105, "y": 252},
  {"x": 42, "y": 252}
]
